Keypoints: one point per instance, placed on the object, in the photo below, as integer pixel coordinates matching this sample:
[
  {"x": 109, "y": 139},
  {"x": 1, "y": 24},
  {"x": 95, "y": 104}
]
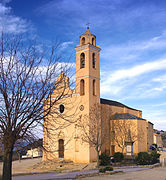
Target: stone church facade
[{"x": 61, "y": 139}]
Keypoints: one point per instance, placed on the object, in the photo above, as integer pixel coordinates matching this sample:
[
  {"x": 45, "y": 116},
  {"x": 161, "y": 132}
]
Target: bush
[
  {"x": 118, "y": 157},
  {"x": 154, "y": 157},
  {"x": 104, "y": 159},
  {"x": 107, "y": 168},
  {"x": 143, "y": 158},
  {"x": 1, "y": 157},
  {"x": 102, "y": 170}
]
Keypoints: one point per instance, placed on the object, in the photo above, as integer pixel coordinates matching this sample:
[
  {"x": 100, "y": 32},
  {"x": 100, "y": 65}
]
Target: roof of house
[
  {"x": 115, "y": 103},
  {"x": 125, "y": 116}
]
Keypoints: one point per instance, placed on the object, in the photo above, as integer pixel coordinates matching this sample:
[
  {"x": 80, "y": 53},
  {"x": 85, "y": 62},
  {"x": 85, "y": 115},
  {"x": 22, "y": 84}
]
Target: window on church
[
  {"x": 82, "y": 60},
  {"x": 82, "y": 87},
  {"x": 93, "y": 41},
  {"x": 76, "y": 145},
  {"x": 61, "y": 148},
  {"x": 94, "y": 87},
  {"x": 93, "y": 60},
  {"x": 61, "y": 108},
  {"x": 83, "y": 41}
]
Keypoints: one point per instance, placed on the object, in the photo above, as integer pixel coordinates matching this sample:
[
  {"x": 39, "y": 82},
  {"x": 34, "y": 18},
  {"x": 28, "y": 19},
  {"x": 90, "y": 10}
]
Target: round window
[
  {"x": 61, "y": 108},
  {"x": 81, "y": 107}
]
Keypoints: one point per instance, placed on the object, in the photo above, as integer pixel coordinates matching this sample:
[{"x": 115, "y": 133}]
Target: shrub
[
  {"x": 154, "y": 157},
  {"x": 1, "y": 157},
  {"x": 107, "y": 168},
  {"x": 118, "y": 157},
  {"x": 104, "y": 159},
  {"x": 102, "y": 170},
  {"x": 143, "y": 158}
]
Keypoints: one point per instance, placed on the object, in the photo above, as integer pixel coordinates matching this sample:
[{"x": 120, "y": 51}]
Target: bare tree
[
  {"x": 123, "y": 131},
  {"x": 92, "y": 129},
  {"x": 27, "y": 78}
]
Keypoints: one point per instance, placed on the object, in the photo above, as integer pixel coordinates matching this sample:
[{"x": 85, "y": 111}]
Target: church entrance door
[{"x": 61, "y": 148}]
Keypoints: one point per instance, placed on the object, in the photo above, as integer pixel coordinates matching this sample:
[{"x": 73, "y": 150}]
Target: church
[{"x": 61, "y": 135}]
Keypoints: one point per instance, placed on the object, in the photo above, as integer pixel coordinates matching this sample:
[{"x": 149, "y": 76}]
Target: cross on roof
[{"x": 88, "y": 25}]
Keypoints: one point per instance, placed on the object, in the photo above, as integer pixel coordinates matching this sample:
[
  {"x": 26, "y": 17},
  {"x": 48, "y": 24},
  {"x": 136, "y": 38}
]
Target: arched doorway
[{"x": 61, "y": 148}]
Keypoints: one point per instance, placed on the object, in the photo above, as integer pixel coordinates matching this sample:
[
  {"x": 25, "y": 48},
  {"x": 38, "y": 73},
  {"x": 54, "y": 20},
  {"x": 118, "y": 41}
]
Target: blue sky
[{"x": 131, "y": 34}]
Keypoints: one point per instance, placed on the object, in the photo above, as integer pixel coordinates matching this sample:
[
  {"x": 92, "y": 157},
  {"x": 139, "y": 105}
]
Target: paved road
[
  {"x": 70, "y": 175},
  {"x": 158, "y": 173},
  {"x": 52, "y": 176}
]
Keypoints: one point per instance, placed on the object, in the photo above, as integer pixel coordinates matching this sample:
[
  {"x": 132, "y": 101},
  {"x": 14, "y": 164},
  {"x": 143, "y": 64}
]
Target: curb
[{"x": 138, "y": 166}]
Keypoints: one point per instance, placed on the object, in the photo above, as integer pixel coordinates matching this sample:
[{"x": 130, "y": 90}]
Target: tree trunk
[
  {"x": 19, "y": 157},
  {"x": 7, "y": 162},
  {"x": 97, "y": 159},
  {"x": 122, "y": 150}
]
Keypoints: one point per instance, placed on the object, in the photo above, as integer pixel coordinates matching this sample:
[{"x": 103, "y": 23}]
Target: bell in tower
[{"x": 88, "y": 38}]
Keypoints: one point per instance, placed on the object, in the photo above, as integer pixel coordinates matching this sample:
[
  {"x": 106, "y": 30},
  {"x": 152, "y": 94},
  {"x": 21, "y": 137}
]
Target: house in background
[
  {"x": 33, "y": 153},
  {"x": 33, "y": 150},
  {"x": 157, "y": 139}
]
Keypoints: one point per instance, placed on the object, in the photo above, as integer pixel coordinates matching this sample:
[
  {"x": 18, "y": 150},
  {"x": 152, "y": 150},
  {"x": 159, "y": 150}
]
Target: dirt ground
[
  {"x": 60, "y": 165},
  {"x": 23, "y": 166},
  {"x": 36, "y": 165},
  {"x": 151, "y": 174}
]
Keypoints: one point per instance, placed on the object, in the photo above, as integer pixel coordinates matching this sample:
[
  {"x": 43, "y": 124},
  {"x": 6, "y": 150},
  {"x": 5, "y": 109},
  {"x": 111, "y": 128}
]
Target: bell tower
[{"x": 88, "y": 69}]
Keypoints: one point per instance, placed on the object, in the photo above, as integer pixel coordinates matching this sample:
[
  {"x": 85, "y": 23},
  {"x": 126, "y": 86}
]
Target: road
[
  {"x": 55, "y": 175},
  {"x": 69, "y": 175},
  {"x": 158, "y": 173}
]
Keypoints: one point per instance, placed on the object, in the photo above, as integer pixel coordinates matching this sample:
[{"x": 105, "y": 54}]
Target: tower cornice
[{"x": 87, "y": 46}]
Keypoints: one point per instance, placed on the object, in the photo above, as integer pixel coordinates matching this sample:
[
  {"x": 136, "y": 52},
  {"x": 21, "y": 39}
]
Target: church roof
[
  {"x": 114, "y": 103},
  {"x": 88, "y": 33},
  {"x": 125, "y": 116}
]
